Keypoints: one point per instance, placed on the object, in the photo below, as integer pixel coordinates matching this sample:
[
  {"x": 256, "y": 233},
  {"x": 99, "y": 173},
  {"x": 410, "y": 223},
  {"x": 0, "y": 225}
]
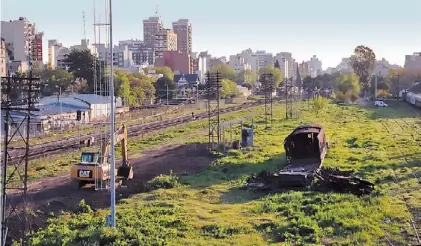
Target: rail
[{"x": 73, "y": 143}]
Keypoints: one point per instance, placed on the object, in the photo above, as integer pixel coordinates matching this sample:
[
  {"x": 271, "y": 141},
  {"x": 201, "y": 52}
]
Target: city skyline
[{"x": 328, "y": 34}]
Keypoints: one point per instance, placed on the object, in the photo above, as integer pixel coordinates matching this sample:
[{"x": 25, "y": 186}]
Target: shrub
[
  {"x": 83, "y": 207},
  {"x": 319, "y": 104},
  {"x": 163, "y": 182}
]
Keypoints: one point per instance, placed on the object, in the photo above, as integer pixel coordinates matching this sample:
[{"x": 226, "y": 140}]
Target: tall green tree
[
  {"x": 81, "y": 64},
  {"x": 348, "y": 84},
  {"x": 165, "y": 71},
  {"x": 246, "y": 76},
  {"x": 122, "y": 87},
  {"x": 142, "y": 90},
  {"x": 276, "y": 73},
  {"x": 226, "y": 71},
  {"x": 308, "y": 83},
  {"x": 363, "y": 63},
  {"x": 228, "y": 89},
  {"x": 54, "y": 79}
]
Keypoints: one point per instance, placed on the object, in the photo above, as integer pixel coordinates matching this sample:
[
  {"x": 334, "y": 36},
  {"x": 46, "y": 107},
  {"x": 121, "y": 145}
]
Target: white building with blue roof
[{"x": 61, "y": 112}]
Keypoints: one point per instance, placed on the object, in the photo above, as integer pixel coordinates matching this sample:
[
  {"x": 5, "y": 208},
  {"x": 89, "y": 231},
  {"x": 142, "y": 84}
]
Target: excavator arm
[{"x": 125, "y": 170}]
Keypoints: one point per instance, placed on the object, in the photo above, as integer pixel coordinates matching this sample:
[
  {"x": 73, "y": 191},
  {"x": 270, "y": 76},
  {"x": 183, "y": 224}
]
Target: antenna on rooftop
[
  {"x": 84, "y": 24},
  {"x": 156, "y": 11}
]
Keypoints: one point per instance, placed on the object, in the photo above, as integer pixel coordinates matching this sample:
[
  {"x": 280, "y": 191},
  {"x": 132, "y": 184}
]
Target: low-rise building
[{"x": 186, "y": 83}]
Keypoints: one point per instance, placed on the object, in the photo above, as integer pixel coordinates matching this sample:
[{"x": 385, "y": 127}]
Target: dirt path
[{"x": 55, "y": 194}]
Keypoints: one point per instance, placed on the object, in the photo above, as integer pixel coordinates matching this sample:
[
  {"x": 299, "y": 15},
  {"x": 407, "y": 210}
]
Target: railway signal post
[
  {"x": 213, "y": 85},
  {"x": 19, "y": 99}
]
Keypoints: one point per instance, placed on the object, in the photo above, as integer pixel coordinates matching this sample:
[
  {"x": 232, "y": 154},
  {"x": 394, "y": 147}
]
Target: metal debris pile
[
  {"x": 342, "y": 181},
  {"x": 324, "y": 179}
]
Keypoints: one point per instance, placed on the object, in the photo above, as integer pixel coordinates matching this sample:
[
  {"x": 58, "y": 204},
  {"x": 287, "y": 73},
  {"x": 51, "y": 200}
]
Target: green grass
[{"x": 210, "y": 208}]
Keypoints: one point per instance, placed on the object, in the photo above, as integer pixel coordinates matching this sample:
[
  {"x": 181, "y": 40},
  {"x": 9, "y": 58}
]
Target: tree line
[{"x": 134, "y": 88}]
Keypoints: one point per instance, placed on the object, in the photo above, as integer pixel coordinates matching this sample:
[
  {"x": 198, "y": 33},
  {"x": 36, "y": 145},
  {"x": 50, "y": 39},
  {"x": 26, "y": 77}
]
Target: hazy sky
[{"x": 329, "y": 29}]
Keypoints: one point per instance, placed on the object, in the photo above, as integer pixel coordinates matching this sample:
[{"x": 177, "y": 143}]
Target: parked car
[{"x": 380, "y": 103}]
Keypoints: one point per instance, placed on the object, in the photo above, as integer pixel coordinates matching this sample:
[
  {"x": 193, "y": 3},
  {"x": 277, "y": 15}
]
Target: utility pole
[
  {"x": 399, "y": 88},
  {"x": 167, "y": 94},
  {"x": 375, "y": 86},
  {"x": 112, "y": 221}
]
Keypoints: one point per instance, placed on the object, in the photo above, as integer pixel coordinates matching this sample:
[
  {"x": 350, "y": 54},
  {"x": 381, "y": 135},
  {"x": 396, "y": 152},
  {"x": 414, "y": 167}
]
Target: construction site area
[{"x": 262, "y": 171}]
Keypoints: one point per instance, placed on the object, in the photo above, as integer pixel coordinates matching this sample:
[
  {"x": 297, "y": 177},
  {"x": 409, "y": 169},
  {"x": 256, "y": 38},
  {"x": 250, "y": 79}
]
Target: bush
[
  {"x": 319, "y": 104},
  {"x": 83, "y": 207},
  {"x": 149, "y": 224},
  {"x": 163, "y": 182}
]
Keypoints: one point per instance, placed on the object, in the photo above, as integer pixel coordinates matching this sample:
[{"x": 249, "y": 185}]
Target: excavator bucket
[{"x": 126, "y": 172}]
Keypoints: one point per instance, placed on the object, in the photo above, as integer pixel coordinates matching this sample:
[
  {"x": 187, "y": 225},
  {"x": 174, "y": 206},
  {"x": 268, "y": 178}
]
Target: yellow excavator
[{"x": 94, "y": 167}]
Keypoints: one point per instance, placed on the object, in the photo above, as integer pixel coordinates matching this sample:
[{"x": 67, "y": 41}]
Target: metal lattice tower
[
  {"x": 20, "y": 95},
  {"x": 213, "y": 85},
  {"x": 289, "y": 98},
  {"x": 267, "y": 81}
]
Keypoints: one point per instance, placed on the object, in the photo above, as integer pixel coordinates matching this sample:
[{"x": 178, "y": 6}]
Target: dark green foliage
[{"x": 163, "y": 182}]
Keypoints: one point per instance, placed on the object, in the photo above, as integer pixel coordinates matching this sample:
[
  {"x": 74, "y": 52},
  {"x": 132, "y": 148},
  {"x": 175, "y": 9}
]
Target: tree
[
  {"x": 228, "y": 89},
  {"x": 319, "y": 104},
  {"x": 348, "y": 83},
  {"x": 142, "y": 90},
  {"x": 54, "y": 79},
  {"x": 277, "y": 65},
  {"x": 133, "y": 88},
  {"x": 348, "y": 86},
  {"x": 308, "y": 83},
  {"x": 246, "y": 76},
  {"x": 81, "y": 64},
  {"x": 226, "y": 71},
  {"x": 161, "y": 88},
  {"x": 276, "y": 73},
  {"x": 122, "y": 87},
  {"x": 165, "y": 71},
  {"x": 363, "y": 63}
]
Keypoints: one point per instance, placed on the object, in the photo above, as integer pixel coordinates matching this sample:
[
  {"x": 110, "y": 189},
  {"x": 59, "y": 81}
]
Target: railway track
[
  {"x": 76, "y": 142},
  {"x": 407, "y": 128}
]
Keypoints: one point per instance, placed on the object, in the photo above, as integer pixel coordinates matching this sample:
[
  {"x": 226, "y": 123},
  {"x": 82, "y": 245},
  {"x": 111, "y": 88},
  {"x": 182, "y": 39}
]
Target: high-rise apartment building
[
  {"x": 315, "y": 66},
  {"x": 57, "y": 54},
  {"x": 140, "y": 53},
  {"x": 285, "y": 58},
  {"x": 165, "y": 40},
  {"x": 183, "y": 29},
  {"x": 151, "y": 27},
  {"x": 19, "y": 38},
  {"x": 413, "y": 62},
  {"x": 37, "y": 47},
  {"x": 3, "y": 60}
]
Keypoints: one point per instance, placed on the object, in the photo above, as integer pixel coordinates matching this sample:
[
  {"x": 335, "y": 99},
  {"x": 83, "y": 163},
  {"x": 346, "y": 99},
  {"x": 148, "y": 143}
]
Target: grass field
[{"x": 210, "y": 208}]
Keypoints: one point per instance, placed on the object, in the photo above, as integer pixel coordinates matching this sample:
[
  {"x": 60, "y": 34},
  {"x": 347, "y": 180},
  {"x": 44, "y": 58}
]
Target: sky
[{"x": 330, "y": 29}]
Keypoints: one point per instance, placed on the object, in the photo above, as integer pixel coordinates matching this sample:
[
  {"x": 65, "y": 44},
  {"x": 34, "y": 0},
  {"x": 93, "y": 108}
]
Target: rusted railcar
[{"x": 305, "y": 149}]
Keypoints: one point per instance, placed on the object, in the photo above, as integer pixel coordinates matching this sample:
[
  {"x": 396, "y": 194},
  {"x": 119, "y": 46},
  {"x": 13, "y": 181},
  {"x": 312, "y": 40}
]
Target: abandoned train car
[{"x": 305, "y": 149}]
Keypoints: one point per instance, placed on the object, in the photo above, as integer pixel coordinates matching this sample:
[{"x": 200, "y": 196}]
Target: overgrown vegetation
[
  {"x": 164, "y": 182},
  {"x": 212, "y": 209}
]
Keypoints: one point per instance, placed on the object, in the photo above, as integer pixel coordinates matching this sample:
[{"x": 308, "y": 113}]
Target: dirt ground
[{"x": 55, "y": 194}]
